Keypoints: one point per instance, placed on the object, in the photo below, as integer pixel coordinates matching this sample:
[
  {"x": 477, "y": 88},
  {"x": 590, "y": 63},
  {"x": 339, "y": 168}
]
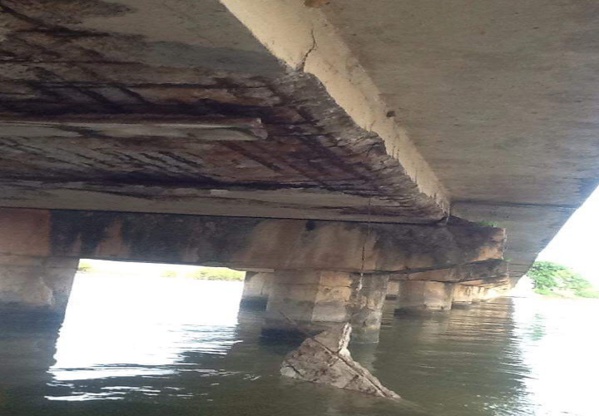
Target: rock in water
[{"x": 325, "y": 359}]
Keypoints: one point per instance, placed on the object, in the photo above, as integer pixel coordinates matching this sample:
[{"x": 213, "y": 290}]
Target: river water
[{"x": 155, "y": 346}]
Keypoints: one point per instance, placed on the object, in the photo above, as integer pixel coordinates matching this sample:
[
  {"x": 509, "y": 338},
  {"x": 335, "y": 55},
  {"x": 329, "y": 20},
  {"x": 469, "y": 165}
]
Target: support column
[
  {"x": 422, "y": 297},
  {"x": 392, "y": 290},
  {"x": 314, "y": 300},
  {"x": 479, "y": 294},
  {"x": 462, "y": 296},
  {"x": 368, "y": 308},
  {"x": 256, "y": 289},
  {"x": 39, "y": 286}
]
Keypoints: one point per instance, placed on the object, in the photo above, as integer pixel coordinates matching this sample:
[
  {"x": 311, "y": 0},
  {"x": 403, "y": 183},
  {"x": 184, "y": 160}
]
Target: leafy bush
[{"x": 549, "y": 278}]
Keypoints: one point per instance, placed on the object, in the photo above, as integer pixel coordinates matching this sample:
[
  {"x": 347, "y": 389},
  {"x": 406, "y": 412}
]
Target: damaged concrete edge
[{"x": 314, "y": 47}]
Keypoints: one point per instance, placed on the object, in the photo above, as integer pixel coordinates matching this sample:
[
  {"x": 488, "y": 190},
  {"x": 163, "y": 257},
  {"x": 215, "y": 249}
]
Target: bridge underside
[{"x": 374, "y": 116}]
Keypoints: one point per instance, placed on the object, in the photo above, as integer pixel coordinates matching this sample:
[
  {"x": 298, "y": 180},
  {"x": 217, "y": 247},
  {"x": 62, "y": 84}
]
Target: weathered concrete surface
[
  {"x": 245, "y": 243},
  {"x": 308, "y": 302},
  {"x": 392, "y": 290},
  {"x": 325, "y": 359},
  {"x": 379, "y": 111},
  {"x": 475, "y": 273},
  {"x": 77, "y": 77},
  {"x": 367, "y": 307},
  {"x": 256, "y": 289},
  {"x": 499, "y": 98},
  {"x": 463, "y": 296},
  {"x": 424, "y": 297},
  {"x": 36, "y": 285}
]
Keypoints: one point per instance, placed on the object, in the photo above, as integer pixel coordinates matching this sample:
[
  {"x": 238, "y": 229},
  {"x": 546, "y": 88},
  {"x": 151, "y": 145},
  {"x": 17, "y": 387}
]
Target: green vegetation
[
  {"x": 207, "y": 273},
  {"x": 172, "y": 271},
  {"x": 552, "y": 279},
  {"x": 85, "y": 267}
]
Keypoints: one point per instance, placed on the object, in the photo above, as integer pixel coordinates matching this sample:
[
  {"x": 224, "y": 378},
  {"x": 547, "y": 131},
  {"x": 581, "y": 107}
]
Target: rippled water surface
[{"x": 152, "y": 346}]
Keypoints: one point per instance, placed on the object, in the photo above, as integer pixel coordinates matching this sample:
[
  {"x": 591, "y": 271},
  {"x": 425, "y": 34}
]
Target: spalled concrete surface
[
  {"x": 245, "y": 243},
  {"x": 367, "y": 306},
  {"x": 77, "y": 75},
  {"x": 360, "y": 111},
  {"x": 307, "y": 302}
]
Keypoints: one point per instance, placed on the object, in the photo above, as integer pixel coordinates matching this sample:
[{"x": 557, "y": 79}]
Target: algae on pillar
[{"x": 422, "y": 297}]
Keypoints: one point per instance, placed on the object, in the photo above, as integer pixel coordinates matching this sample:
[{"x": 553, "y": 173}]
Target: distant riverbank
[{"x": 160, "y": 270}]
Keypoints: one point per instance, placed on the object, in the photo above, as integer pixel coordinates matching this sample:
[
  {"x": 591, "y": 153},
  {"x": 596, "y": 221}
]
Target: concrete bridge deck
[{"x": 416, "y": 112}]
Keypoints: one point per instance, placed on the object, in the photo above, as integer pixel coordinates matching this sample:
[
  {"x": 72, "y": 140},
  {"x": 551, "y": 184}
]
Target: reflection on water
[
  {"x": 143, "y": 326},
  {"x": 151, "y": 346}
]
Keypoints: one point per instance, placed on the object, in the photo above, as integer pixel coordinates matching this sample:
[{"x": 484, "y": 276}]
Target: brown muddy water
[{"x": 152, "y": 346}]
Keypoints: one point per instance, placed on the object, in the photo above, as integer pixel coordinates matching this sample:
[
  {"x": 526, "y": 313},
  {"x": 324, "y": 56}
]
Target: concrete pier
[
  {"x": 479, "y": 294},
  {"x": 307, "y": 302},
  {"x": 303, "y": 302},
  {"x": 392, "y": 290},
  {"x": 422, "y": 297},
  {"x": 256, "y": 289},
  {"x": 462, "y": 296},
  {"x": 368, "y": 308},
  {"x": 36, "y": 285}
]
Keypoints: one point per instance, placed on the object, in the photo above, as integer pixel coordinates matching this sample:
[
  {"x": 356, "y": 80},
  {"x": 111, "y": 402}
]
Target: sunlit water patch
[
  {"x": 141, "y": 327},
  {"x": 154, "y": 346}
]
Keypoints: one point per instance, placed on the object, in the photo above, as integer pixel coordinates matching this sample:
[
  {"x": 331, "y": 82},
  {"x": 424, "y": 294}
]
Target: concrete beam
[
  {"x": 473, "y": 273},
  {"x": 246, "y": 243},
  {"x": 303, "y": 38},
  {"x": 330, "y": 150}
]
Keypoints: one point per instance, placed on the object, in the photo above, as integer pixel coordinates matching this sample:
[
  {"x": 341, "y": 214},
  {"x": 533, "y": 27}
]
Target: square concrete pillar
[
  {"x": 423, "y": 296},
  {"x": 367, "y": 304},
  {"x": 392, "y": 290},
  {"x": 256, "y": 290},
  {"x": 308, "y": 302},
  {"x": 462, "y": 296},
  {"x": 303, "y": 302},
  {"x": 36, "y": 285},
  {"x": 479, "y": 294}
]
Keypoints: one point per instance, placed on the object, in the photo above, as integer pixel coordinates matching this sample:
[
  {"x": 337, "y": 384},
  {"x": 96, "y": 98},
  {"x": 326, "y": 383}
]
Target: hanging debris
[{"x": 325, "y": 359}]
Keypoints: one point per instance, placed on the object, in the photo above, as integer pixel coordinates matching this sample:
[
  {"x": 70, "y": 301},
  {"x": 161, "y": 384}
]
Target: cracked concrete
[{"x": 377, "y": 112}]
